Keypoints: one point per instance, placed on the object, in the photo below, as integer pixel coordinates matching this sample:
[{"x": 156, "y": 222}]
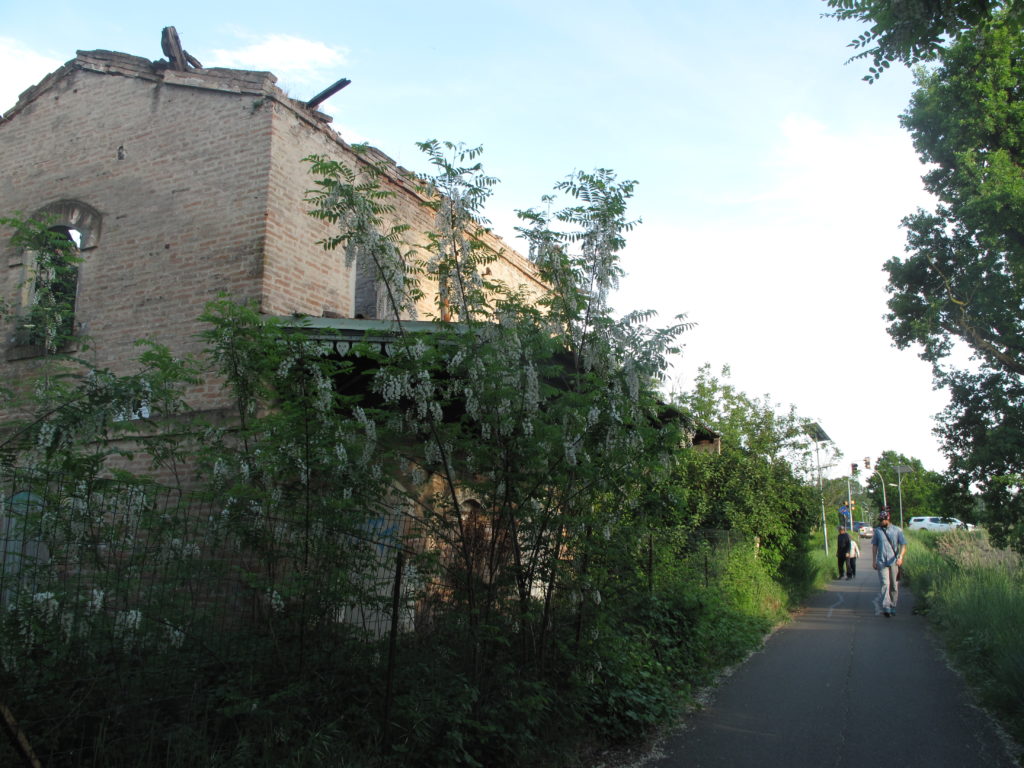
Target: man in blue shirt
[{"x": 888, "y": 546}]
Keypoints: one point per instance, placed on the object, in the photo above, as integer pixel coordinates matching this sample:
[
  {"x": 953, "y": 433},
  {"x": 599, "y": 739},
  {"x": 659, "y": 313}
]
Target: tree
[
  {"x": 836, "y": 492},
  {"x": 963, "y": 280},
  {"x": 753, "y": 487},
  {"x": 921, "y": 488},
  {"x": 911, "y": 31},
  {"x": 982, "y": 429}
]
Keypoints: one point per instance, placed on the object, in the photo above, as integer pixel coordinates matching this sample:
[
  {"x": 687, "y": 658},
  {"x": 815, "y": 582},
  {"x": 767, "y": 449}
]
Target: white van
[{"x": 937, "y": 524}]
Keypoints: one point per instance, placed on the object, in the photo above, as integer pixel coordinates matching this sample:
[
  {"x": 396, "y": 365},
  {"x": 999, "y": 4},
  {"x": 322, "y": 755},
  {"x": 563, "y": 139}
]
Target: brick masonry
[{"x": 194, "y": 184}]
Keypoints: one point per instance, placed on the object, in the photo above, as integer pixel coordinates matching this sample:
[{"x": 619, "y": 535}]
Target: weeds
[{"x": 974, "y": 594}]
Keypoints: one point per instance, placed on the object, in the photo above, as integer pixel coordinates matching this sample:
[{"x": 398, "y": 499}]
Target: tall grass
[
  {"x": 825, "y": 565},
  {"x": 974, "y": 595}
]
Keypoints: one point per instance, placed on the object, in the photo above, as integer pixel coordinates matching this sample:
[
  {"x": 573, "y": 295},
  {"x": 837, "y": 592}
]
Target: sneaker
[{"x": 886, "y": 614}]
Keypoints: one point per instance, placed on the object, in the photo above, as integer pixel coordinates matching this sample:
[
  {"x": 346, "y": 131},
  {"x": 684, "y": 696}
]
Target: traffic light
[
  {"x": 867, "y": 463},
  {"x": 853, "y": 505},
  {"x": 854, "y": 469}
]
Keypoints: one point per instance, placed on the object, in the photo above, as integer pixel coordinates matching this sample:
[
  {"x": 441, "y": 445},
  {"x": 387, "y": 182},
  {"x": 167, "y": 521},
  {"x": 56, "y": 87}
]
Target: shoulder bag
[{"x": 896, "y": 554}]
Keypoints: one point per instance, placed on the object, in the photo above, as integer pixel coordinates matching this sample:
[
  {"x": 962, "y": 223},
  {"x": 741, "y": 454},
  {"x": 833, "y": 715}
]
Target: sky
[{"x": 771, "y": 179}]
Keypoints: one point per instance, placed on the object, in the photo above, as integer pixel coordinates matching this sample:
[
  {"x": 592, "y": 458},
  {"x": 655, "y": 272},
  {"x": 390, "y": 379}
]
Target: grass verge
[{"x": 973, "y": 594}]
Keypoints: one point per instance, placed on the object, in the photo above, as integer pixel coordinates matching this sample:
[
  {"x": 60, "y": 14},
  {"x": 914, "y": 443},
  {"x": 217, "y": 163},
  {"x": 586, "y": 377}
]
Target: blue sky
[{"x": 772, "y": 179}]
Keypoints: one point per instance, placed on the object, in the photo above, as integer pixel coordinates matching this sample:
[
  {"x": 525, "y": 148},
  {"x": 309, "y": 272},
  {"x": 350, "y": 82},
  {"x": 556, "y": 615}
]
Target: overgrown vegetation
[
  {"x": 486, "y": 544},
  {"x": 53, "y": 273},
  {"x": 974, "y": 594}
]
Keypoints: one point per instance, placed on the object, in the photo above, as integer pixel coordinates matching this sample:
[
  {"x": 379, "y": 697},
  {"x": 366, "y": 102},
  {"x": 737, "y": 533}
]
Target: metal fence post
[{"x": 392, "y": 644}]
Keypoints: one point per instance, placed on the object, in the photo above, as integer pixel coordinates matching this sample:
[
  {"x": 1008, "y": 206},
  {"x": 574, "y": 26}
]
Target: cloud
[
  {"x": 296, "y": 61},
  {"x": 22, "y": 67},
  {"x": 838, "y": 173},
  {"x": 787, "y": 284}
]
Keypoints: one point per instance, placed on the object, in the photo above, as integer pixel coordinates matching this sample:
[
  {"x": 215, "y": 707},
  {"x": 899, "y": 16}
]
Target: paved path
[{"x": 841, "y": 687}]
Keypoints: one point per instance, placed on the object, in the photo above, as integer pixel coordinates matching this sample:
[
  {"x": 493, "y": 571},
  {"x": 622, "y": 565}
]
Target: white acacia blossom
[
  {"x": 570, "y": 447},
  {"x": 46, "y": 605},
  {"x": 126, "y": 626},
  {"x": 97, "y": 598},
  {"x": 175, "y": 636},
  {"x": 275, "y": 600}
]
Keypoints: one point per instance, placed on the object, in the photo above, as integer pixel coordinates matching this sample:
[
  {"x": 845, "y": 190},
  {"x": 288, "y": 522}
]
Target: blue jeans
[{"x": 890, "y": 589}]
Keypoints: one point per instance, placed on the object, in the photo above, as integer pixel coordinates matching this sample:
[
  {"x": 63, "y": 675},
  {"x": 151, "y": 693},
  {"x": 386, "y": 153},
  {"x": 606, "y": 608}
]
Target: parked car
[
  {"x": 865, "y": 531},
  {"x": 937, "y": 524}
]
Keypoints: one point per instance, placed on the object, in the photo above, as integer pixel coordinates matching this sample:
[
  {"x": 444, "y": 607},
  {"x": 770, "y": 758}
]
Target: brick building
[{"x": 180, "y": 184}]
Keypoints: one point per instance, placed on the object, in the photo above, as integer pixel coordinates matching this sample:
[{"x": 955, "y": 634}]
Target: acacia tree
[{"x": 527, "y": 430}]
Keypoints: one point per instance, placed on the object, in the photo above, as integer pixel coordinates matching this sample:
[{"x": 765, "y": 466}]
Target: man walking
[
  {"x": 842, "y": 550},
  {"x": 888, "y": 546}
]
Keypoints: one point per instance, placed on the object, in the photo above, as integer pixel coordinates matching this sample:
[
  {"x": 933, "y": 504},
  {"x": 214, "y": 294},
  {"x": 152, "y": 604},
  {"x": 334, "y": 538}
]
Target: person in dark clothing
[{"x": 842, "y": 550}]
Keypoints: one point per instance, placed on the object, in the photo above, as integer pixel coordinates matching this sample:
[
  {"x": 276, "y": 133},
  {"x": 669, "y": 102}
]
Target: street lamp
[
  {"x": 885, "y": 501},
  {"x": 867, "y": 465},
  {"x": 901, "y": 469},
  {"x": 817, "y": 434}
]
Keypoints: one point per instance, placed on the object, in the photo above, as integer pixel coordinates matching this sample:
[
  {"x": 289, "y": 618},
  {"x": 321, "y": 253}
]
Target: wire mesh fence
[
  {"x": 153, "y": 560},
  {"x": 112, "y": 586},
  {"x": 152, "y": 611}
]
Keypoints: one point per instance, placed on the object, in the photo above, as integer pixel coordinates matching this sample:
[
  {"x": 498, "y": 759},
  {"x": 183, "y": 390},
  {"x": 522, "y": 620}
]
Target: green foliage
[
  {"x": 650, "y": 652},
  {"x": 910, "y": 31},
  {"x": 358, "y": 205},
  {"x": 961, "y": 282},
  {"x": 49, "y": 320},
  {"x": 78, "y": 416},
  {"x": 973, "y": 593},
  {"x": 458, "y": 253},
  {"x": 560, "y": 571},
  {"x": 922, "y": 490},
  {"x": 752, "y": 487}
]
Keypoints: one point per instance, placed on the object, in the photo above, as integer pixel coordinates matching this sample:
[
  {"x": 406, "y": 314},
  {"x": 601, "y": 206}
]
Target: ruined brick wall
[
  {"x": 178, "y": 175},
  {"x": 314, "y": 282},
  {"x": 193, "y": 184}
]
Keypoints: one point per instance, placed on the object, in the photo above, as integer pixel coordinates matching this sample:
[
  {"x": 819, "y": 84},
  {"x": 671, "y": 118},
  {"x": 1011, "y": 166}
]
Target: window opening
[
  {"x": 51, "y": 245},
  {"x": 50, "y": 317}
]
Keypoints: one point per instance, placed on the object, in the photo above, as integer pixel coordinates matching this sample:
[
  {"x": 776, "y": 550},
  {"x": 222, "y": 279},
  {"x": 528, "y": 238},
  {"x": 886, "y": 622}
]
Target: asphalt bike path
[{"x": 841, "y": 686}]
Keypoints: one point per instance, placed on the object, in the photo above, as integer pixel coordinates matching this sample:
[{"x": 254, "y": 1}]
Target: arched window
[{"x": 51, "y": 244}]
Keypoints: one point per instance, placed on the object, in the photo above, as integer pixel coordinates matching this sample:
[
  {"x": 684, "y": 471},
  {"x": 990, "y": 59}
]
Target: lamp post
[
  {"x": 885, "y": 501},
  {"x": 867, "y": 465},
  {"x": 817, "y": 434},
  {"x": 901, "y": 469}
]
